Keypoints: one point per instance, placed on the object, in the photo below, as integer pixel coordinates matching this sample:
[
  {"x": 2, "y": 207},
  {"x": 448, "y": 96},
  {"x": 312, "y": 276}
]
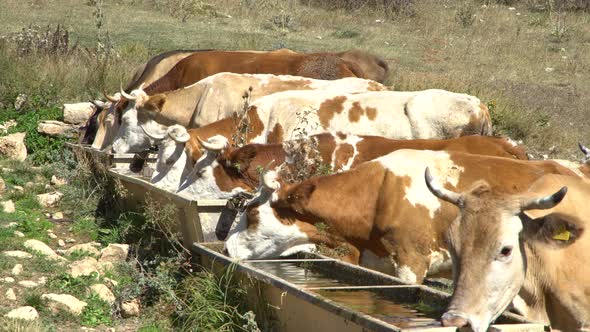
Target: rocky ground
[{"x": 53, "y": 276}]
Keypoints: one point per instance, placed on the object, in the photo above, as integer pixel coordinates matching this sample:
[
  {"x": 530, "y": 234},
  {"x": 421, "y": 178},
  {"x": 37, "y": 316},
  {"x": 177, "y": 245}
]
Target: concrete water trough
[
  {"x": 115, "y": 160},
  {"x": 309, "y": 292}
]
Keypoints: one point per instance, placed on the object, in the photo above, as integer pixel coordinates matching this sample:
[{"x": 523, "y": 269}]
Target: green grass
[{"x": 97, "y": 312}]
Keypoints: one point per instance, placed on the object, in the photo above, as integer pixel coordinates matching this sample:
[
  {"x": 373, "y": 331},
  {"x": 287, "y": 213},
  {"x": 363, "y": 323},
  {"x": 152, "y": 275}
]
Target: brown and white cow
[
  {"x": 103, "y": 126},
  {"x": 402, "y": 115},
  {"x": 531, "y": 248},
  {"x": 380, "y": 212},
  {"x": 224, "y": 171},
  {"x": 213, "y": 98}
]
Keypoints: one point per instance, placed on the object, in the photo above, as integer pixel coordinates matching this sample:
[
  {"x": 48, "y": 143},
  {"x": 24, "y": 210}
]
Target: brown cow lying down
[
  {"x": 380, "y": 213},
  {"x": 213, "y": 98},
  {"x": 224, "y": 171},
  {"x": 531, "y": 249},
  {"x": 323, "y": 66},
  {"x": 100, "y": 127}
]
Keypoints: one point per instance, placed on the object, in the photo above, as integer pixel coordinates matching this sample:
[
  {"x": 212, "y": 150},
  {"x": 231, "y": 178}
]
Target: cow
[
  {"x": 223, "y": 171},
  {"x": 324, "y": 66},
  {"x": 282, "y": 116},
  {"x": 583, "y": 168},
  {"x": 530, "y": 248},
  {"x": 213, "y": 98},
  {"x": 380, "y": 213},
  {"x": 99, "y": 126}
]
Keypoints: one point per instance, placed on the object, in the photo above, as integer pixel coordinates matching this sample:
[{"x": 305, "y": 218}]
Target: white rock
[
  {"x": 10, "y": 295},
  {"x": 130, "y": 308},
  {"x": 19, "y": 189},
  {"x": 17, "y": 254},
  {"x": 19, "y": 234},
  {"x": 42, "y": 280},
  {"x": 13, "y": 146},
  {"x": 78, "y": 113},
  {"x": 57, "y": 216},
  {"x": 8, "y": 206},
  {"x": 27, "y": 284},
  {"x": 49, "y": 199},
  {"x": 10, "y": 224},
  {"x": 112, "y": 283},
  {"x": 511, "y": 8},
  {"x": 61, "y": 243},
  {"x": 59, "y": 302},
  {"x": 549, "y": 69},
  {"x": 24, "y": 313},
  {"x": 20, "y": 101},
  {"x": 114, "y": 253},
  {"x": 40, "y": 247},
  {"x": 70, "y": 240},
  {"x": 56, "y": 128},
  {"x": 7, "y": 280},
  {"x": 2, "y": 186},
  {"x": 87, "y": 247},
  {"x": 57, "y": 181},
  {"x": 52, "y": 236},
  {"x": 104, "y": 293},
  {"x": 17, "y": 269},
  {"x": 84, "y": 267}
]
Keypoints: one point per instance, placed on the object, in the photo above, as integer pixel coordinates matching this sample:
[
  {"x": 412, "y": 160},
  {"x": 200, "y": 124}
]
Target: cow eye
[{"x": 506, "y": 251}]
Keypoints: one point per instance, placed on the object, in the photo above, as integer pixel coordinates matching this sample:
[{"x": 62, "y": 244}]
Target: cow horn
[
  {"x": 440, "y": 192},
  {"x": 543, "y": 203},
  {"x": 141, "y": 86},
  {"x": 585, "y": 150},
  {"x": 126, "y": 95},
  {"x": 213, "y": 147},
  {"x": 110, "y": 98},
  {"x": 97, "y": 103},
  {"x": 152, "y": 136},
  {"x": 178, "y": 133}
]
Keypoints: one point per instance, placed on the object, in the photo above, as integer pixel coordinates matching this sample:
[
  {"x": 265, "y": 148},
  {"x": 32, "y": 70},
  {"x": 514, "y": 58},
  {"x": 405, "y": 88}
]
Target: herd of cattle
[{"x": 420, "y": 186}]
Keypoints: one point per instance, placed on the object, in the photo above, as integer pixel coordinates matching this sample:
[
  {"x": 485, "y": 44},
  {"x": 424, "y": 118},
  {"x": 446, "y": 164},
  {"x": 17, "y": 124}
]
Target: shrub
[{"x": 465, "y": 14}]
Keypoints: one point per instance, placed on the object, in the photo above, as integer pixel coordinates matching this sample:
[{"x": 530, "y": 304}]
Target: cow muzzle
[{"x": 453, "y": 319}]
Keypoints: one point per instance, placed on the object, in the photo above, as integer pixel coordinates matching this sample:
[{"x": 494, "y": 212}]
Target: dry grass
[{"x": 503, "y": 56}]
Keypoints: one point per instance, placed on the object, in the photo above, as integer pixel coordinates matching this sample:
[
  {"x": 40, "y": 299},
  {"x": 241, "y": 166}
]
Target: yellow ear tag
[{"x": 562, "y": 234}]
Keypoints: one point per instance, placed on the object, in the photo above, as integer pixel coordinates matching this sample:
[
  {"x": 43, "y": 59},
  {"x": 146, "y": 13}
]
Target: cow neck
[{"x": 180, "y": 106}]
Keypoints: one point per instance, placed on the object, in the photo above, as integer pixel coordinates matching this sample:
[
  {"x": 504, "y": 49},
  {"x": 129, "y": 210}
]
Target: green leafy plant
[{"x": 96, "y": 312}]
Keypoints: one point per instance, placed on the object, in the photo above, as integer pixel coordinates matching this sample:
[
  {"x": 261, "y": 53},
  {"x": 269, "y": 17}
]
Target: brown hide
[{"x": 327, "y": 66}]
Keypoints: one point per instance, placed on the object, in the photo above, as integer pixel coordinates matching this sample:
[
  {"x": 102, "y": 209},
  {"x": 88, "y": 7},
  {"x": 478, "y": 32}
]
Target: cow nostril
[{"x": 450, "y": 319}]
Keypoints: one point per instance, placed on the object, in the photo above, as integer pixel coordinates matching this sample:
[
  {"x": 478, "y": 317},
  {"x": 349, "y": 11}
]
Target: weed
[
  {"x": 34, "y": 300},
  {"x": 76, "y": 286},
  {"x": 465, "y": 14},
  {"x": 214, "y": 303},
  {"x": 79, "y": 254},
  {"x": 96, "y": 312},
  {"x": 346, "y": 33}
]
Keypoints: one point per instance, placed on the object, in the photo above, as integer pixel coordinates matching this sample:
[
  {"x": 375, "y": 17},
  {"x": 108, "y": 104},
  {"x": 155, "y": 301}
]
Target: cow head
[
  {"x": 140, "y": 110},
  {"x": 107, "y": 122},
  {"x": 487, "y": 245},
  {"x": 261, "y": 232}
]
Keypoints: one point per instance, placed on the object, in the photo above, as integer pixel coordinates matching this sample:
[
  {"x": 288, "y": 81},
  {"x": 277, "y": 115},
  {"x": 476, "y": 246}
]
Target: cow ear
[
  {"x": 555, "y": 229},
  {"x": 479, "y": 188},
  {"x": 155, "y": 103}
]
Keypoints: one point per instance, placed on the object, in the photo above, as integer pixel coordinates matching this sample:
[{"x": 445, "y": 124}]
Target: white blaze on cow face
[
  {"x": 201, "y": 182},
  {"x": 260, "y": 234},
  {"x": 172, "y": 164},
  {"x": 489, "y": 258},
  {"x": 130, "y": 137}
]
